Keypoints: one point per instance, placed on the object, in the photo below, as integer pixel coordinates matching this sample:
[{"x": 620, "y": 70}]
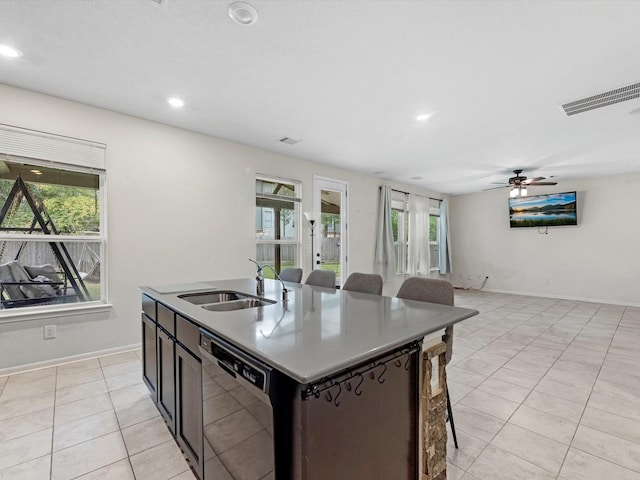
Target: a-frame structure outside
[{"x": 43, "y": 223}]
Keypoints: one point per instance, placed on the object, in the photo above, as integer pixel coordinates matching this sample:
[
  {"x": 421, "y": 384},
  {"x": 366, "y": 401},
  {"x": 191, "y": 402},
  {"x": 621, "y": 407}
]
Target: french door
[{"x": 330, "y": 201}]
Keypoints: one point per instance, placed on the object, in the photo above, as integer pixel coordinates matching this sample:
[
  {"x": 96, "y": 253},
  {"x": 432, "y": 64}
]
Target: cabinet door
[
  {"x": 189, "y": 408},
  {"x": 149, "y": 356},
  {"x": 166, "y": 378}
]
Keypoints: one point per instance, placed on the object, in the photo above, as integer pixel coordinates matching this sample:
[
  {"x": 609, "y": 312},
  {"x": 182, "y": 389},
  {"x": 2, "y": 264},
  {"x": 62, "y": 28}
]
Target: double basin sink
[{"x": 225, "y": 300}]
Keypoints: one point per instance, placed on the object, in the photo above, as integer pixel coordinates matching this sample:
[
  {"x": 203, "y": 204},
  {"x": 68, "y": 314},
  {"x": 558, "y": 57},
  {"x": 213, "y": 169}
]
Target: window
[
  {"x": 51, "y": 236},
  {"x": 400, "y": 226},
  {"x": 434, "y": 234},
  {"x": 277, "y": 220},
  {"x": 52, "y": 232}
]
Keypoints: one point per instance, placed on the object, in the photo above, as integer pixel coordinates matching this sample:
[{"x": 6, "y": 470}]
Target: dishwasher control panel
[{"x": 236, "y": 363}]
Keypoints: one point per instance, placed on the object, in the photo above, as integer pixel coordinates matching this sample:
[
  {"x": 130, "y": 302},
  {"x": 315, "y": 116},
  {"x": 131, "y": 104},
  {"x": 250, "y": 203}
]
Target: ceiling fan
[{"x": 519, "y": 183}]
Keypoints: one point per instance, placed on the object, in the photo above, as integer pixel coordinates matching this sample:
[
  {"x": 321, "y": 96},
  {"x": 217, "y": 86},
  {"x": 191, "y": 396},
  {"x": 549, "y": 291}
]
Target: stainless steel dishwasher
[
  {"x": 237, "y": 413},
  {"x": 259, "y": 424}
]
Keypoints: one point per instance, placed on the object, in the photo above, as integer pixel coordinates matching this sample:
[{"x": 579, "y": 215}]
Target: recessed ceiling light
[
  {"x": 423, "y": 116},
  {"x": 9, "y": 51},
  {"x": 37, "y": 172},
  {"x": 243, "y": 13},
  {"x": 175, "y": 102}
]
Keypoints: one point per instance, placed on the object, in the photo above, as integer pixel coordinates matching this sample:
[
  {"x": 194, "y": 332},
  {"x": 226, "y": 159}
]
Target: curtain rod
[{"x": 416, "y": 194}]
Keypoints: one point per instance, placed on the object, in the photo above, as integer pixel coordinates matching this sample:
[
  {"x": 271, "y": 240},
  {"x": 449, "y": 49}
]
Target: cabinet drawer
[
  {"x": 188, "y": 334},
  {"x": 167, "y": 319},
  {"x": 149, "y": 307}
]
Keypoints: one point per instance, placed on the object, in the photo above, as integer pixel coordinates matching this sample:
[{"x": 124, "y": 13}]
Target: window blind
[{"x": 53, "y": 148}]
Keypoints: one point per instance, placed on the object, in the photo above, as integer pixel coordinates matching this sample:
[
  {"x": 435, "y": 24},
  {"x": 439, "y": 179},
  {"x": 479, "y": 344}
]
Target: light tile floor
[
  {"x": 88, "y": 420},
  {"x": 541, "y": 389},
  {"x": 545, "y": 389}
]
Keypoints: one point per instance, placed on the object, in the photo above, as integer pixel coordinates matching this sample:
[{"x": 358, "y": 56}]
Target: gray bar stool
[
  {"x": 364, "y": 282},
  {"x": 322, "y": 278},
  {"x": 291, "y": 274},
  {"x": 434, "y": 291}
]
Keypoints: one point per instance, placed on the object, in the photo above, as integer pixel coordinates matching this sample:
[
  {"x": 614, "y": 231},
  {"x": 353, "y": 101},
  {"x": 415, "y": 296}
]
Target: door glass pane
[{"x": 330, "y": 231}]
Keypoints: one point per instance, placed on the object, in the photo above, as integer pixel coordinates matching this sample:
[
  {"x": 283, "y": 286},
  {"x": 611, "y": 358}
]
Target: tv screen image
[{"x": 548, "y": 210}]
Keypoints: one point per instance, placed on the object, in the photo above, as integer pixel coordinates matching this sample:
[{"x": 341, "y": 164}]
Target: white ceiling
[{"x": 348, "y": 77}]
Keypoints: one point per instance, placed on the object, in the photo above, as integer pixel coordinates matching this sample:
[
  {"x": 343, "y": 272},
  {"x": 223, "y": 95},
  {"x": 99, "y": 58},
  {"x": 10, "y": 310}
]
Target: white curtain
[
  {"x": 445, "y": 248},
  {"x": 418, "y": 253},
  {"x": 385, "y": 258}
]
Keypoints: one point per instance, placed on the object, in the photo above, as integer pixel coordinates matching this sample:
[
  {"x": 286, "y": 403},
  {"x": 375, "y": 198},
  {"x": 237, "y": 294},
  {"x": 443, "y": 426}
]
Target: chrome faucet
[{"x": 260, "y": 280}]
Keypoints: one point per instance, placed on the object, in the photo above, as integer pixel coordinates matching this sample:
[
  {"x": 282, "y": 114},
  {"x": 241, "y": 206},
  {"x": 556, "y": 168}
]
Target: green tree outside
[{"x": 74, "y": 210}]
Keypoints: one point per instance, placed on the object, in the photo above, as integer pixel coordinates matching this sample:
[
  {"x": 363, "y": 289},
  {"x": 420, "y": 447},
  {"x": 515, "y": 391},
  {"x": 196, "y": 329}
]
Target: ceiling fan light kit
[{"x": 518, "y": 192}]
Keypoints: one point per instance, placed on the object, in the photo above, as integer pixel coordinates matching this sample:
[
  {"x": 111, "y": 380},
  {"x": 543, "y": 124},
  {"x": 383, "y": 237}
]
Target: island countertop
[{"x": 319, "y": 331}]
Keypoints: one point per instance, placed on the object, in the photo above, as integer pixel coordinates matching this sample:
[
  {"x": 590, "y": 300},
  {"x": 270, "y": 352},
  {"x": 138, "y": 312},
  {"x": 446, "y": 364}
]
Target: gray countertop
[{"x": 319, "y": 331}]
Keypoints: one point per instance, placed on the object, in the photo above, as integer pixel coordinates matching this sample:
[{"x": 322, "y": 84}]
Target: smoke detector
[{"x": 243, "y": 13}]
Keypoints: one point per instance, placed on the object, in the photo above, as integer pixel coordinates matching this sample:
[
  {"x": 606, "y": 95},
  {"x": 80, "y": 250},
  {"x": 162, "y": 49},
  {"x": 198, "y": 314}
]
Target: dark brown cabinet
[
  {"x": 189, "y": 407},
  {"x": 149, "y": 355},
  {"x": 172, "y": 371},
  {"x": 166, "y": 379}
]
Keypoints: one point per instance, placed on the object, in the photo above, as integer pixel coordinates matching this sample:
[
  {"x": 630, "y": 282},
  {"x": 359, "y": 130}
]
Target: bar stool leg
[{"x": 450, "y": 418}]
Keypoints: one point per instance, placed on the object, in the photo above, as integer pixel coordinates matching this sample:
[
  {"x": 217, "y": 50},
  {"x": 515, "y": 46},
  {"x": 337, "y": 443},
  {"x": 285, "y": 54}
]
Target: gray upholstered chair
[
  {"x": 322, "y": 278},
  {"x": 434, "y": 291},
  {"x": 291, "y": 274},
  {"x": 364, "y": 282}
]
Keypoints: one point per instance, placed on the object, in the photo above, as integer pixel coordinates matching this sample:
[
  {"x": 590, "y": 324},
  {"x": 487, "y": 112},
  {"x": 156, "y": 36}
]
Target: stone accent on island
[{"x": 433, "y": 404}]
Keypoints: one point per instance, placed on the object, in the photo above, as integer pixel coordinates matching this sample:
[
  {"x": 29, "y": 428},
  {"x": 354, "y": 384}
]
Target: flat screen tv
[{"x": 548, "y": 210}]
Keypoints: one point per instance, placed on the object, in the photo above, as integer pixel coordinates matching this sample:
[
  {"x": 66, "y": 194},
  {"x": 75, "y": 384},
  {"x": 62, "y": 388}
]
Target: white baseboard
[
  {"x": 73, "y": 358},
  {"x": 559, "y": 297}
]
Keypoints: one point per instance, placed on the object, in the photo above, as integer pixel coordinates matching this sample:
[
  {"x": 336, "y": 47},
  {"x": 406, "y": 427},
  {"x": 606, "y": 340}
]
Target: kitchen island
[{"x": 334, "y": 378}]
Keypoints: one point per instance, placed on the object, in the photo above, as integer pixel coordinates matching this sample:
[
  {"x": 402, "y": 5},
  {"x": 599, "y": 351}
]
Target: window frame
[
  {"x": 400, "y": 205},
  {"x": 434, "y": 266},
  {"x": 297, "y": 201},
  {"x": 18, "y": 145}
]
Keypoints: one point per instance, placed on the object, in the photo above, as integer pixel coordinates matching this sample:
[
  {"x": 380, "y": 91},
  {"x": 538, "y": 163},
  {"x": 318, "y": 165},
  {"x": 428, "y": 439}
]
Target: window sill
[{"x": 39, "y": 313}]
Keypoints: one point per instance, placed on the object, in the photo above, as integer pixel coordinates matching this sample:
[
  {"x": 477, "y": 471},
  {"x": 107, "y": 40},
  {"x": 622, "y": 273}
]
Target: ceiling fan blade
[
  {"x": 533, "y": 180},
  {"x": 500, "y": 183},
  {"x": 495, "y": 188},
  {"x": 543, "y": 183}
]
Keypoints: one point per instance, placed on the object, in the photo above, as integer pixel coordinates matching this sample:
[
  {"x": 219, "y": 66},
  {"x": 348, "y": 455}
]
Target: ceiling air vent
[
  {"x": 611, "y": 97},
  {"x": 289, "y": 141}
]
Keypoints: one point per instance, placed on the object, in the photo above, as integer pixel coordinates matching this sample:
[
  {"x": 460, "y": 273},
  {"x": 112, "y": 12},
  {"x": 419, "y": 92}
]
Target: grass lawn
[{"x": 268, "y": 273}]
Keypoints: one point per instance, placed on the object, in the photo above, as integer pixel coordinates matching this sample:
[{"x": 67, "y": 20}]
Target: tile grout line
[
  {"x": 126, "y": 448},
  {"x": 519, "y": 351},
  {"x": 53, "y": 423},
  {"x": 532, "y": 389},
  {"x": 589, "y": 398}
]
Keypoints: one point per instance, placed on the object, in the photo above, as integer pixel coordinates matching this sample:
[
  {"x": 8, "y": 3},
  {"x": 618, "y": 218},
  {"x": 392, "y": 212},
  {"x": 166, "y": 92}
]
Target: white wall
[
  {"x": 597, "y": 261},
  {"x": 180, "y": 208}
]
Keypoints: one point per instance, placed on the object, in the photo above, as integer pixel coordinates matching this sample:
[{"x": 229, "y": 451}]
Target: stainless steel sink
[
  {"x": 238, "y": 304},
  {"x": 225, "y": 300},
  {"x": 218, "y": 296}
]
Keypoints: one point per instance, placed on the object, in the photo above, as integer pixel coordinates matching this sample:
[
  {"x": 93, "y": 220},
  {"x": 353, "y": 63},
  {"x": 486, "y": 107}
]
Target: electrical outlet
[{"x": 50, "y": 331}]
